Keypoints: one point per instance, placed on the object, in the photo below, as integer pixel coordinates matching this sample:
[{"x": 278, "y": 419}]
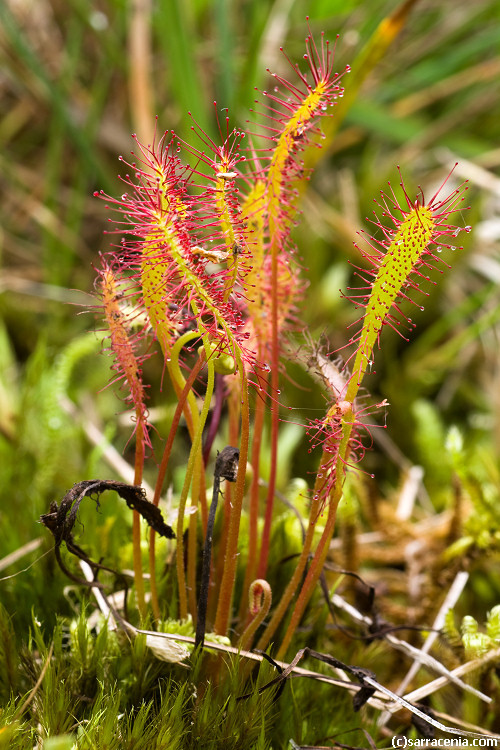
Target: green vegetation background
[{"x": 68, "y": 104}]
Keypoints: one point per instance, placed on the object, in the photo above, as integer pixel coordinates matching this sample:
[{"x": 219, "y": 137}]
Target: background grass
[{"x": 76, "y": 79}]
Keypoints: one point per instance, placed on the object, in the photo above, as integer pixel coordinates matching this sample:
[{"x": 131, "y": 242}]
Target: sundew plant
[{"x": 204, "y": 273}]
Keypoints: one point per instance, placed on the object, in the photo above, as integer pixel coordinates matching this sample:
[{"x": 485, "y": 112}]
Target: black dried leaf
[
  {"x": 425, "y": 729},
  {"x": 365, "y": 693},
  {"x": 61, "y": 518},
  {"x": 226, "y": 463},
  {"x": 362, "y": 696}
]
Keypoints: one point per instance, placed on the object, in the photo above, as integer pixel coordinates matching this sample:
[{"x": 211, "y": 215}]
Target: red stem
[
  {"x": 266, "y": 532},
  {"x": 253, "y": 538},
  {"x": 234, "y": 415},
  {"x": 231, "y": 556}
]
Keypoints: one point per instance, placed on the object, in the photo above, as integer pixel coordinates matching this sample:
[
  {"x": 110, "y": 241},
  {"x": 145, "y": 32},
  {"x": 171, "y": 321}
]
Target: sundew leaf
[{"x": 408, "y": 246}]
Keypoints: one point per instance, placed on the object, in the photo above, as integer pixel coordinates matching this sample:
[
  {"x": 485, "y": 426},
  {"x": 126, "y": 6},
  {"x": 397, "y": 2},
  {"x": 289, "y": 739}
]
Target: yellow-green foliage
[{"x": 470, "y": 638}]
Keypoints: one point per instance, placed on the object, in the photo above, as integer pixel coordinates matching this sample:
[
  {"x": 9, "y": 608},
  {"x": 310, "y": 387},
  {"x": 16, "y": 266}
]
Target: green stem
[
  {"x": 137, "y": 557},
  {"x": 192, "y": 535},
  {"x": 181, "y": 406},
  {"x": 136, "y": 527},
  {"x": 193, "y": 459}
]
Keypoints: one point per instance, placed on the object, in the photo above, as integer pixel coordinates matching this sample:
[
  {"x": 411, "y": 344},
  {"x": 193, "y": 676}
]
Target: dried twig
[
  {"x": 469, "y": 666},
  {"x": 451, "y": 599},
  {"x": 379, "y": 695},
  {"x": 31, "y": 546},
  {"x": 411, "y": 651}
]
